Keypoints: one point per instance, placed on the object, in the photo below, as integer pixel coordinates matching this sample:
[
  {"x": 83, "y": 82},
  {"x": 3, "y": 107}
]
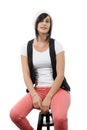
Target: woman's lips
[{"x": 43, "y": 28}]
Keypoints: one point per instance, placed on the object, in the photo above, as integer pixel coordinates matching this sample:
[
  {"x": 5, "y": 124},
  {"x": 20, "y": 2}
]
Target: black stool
[{"x": 45, "y": 120}]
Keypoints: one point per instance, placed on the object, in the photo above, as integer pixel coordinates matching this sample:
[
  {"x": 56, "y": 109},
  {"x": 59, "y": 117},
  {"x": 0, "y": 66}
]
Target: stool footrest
[
  {"x": 45, "y": 120},
  {"x": 48, "y": 123}
]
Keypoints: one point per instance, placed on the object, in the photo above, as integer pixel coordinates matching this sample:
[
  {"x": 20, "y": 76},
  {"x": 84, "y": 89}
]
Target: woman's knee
[
  {"x": 59, "y": 118},
  {"x": 60, "y": 123},
  {"x": 14, "y": 115}
]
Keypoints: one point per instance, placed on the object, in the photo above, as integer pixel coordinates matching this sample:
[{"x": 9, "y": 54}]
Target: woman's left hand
[{"x": 46, "y": 104}]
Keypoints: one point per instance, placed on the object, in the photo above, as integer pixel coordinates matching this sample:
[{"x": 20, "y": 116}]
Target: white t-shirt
[{"x": 42, "y": 64}]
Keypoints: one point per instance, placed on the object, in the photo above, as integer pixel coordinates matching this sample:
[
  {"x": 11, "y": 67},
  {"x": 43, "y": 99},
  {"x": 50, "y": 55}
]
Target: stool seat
[{"x": 45, "y": 120}]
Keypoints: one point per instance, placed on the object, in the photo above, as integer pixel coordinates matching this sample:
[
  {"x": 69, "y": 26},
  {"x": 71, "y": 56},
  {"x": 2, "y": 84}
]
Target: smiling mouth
[{"x": 43, "y": 28}]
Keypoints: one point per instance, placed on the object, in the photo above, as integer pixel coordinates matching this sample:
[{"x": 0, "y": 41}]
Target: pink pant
[{"x": 59, "y": 107}]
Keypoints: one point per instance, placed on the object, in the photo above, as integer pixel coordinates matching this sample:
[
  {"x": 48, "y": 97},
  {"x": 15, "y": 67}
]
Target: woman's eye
[{"x": 47, "y": 21}]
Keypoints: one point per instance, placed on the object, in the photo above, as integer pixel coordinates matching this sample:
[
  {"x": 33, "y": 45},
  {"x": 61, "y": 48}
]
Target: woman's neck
[
  {"x": 41, "y": 43},
  {"x": 42, "y": 39}
]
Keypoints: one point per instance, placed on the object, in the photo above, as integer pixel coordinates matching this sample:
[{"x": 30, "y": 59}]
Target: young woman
[{"x": 45, "y": 91}]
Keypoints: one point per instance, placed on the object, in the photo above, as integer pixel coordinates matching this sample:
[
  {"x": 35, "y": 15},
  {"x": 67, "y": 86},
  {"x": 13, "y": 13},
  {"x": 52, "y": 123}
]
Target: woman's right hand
[{"x": 37, "y": 101}]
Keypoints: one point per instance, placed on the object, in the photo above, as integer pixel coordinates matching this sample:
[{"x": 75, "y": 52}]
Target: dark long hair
[{"x": 39, "y": 19}]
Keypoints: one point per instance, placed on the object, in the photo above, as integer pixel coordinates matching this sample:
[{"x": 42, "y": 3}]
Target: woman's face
[{"x": 44, "y": 26}]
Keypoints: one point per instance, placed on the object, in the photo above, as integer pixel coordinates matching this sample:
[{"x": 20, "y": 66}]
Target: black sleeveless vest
[{"x": 52, "y": 53}]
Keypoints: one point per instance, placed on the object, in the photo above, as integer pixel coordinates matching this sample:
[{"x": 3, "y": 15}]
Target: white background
[{"x": 69, "y": 28}]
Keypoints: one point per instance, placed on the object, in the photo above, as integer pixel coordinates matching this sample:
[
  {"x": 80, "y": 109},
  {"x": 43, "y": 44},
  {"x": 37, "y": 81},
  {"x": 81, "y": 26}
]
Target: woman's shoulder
[
  {"x": 58, "y": 46},
  {"x": 23, "y": 50}
]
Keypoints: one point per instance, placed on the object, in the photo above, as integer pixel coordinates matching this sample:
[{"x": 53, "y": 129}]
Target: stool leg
[
  {"x": 40, "y": 121},
  {"x": 48, "y": 120}
]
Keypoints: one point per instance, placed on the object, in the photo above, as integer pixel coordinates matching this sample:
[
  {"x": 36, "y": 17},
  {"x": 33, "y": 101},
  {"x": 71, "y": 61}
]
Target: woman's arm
[
  {"x": 26, "y": 75},
  {"x": 60, "y": 65}
]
